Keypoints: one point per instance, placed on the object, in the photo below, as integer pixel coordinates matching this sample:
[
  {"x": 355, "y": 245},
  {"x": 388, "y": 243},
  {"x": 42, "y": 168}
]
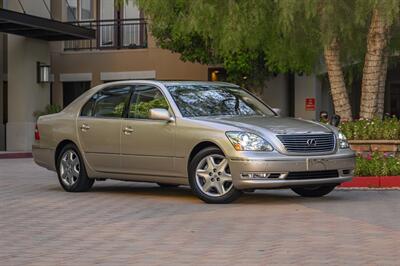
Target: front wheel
[
  {"x": 71, "y": 170},
  {"x": 210, "y": 177},
  {"x": 315, "y": 191}
]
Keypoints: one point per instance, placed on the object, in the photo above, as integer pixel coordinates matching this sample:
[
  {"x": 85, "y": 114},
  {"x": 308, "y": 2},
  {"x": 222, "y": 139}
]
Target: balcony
[{"x": 111, "y": 35}]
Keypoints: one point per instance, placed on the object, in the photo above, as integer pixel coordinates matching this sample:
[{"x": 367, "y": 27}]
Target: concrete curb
[{"x": 15, "y": 155}]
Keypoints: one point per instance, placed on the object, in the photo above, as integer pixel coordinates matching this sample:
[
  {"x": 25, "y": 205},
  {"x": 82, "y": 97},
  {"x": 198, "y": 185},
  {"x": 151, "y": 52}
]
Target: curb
[
  {"x": 15, "y": 155},
  {"x": 373, "y": 182}
]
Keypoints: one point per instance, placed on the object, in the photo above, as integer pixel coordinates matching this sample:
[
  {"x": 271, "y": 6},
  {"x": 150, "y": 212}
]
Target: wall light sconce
[{"x": 43, "y": 73}]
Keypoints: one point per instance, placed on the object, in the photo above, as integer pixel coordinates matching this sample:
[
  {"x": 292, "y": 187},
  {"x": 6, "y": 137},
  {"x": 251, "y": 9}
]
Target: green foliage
[
  {"x": 49, "y": 109},
  {"x": 254, "y": 38},
  {"x": 377, "y": 165},
  {"x": 142, "y": 109},
  {"x": 376, "y": 129}
]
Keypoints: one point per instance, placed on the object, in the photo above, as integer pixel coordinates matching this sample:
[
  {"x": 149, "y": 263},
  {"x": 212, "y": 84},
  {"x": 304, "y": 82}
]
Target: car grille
[
  {"x": 306, "y": 143},
  {"x": 312, "y": 174}
]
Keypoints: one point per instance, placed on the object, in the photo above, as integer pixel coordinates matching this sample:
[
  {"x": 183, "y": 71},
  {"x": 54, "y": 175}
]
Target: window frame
[
  {"x": 170, "y": 109},
  {"x": 131, "y": 89},
  {"x": 78, "y": 13}
]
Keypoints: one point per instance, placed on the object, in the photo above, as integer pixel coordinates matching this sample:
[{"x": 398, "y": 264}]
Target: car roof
[{"x": 172, "y": 82}]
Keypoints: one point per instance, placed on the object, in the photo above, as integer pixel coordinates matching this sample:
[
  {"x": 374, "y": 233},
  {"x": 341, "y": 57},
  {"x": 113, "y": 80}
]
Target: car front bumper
[{"x": 279, "y": 167}]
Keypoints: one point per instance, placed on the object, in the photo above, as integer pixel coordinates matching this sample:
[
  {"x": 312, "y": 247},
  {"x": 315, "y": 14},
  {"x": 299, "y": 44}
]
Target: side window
[
  {"x": 111, "y": 102},
  {"x": 145, "y": 98},
  {"x": 87, "y": 109}
]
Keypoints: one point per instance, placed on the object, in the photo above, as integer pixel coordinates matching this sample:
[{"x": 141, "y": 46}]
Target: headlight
[
  {"x": 343, "y": 144},
  {"x": 244, "y": 141}
]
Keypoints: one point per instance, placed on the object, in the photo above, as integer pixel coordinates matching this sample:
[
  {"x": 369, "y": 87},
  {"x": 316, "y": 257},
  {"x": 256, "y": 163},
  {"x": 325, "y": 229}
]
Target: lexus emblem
[{"x": 311, "y": 142}]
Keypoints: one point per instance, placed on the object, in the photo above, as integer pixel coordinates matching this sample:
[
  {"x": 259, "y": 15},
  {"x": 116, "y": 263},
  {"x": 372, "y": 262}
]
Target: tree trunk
[
  {"x": 336, "y": 79},
  {"x": 376, "y": 43},
  {"x": 380, "y": 105}
]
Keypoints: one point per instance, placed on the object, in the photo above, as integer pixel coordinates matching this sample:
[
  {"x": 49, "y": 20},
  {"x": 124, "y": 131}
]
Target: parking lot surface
[{"x": 120, "y": 223}]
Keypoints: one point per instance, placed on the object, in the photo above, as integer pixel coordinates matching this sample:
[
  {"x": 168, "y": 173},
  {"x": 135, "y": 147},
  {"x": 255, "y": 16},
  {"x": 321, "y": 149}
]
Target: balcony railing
[{"x": 111, "y": 34}]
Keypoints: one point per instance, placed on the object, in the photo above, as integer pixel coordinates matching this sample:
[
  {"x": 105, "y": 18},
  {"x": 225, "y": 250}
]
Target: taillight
[{"x": 37, "y": 134}]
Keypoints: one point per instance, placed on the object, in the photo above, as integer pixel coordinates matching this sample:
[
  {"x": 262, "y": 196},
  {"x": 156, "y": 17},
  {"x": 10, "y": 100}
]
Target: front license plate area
[{"x": 317, "y": 164}]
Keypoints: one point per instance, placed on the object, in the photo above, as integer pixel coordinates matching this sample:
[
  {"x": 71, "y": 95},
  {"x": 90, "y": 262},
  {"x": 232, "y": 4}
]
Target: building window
[{"x": 78, "y": 10}]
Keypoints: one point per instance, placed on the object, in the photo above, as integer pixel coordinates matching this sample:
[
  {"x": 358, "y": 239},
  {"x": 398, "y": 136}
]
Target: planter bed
[
  {"x": 368, "y": 146},
  {"x": 373, "y": 182}
]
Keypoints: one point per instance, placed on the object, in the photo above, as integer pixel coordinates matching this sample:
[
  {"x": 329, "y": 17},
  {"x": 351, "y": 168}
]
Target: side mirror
[
  {"x": 277, "y": 111},
  {"x": 160, "y": 114}
]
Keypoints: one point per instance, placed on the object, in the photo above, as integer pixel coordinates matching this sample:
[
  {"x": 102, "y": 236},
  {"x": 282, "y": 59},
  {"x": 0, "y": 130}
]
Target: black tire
[
  {"x": 83, "y": 182},
  {"x": 164, "y": 185},
  {"x": 230, "y": 196},
  {"x": 314, "y": 192}
]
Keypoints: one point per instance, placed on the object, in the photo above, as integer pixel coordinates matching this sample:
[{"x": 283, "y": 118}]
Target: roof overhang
[{"x": 41, "y": 28}]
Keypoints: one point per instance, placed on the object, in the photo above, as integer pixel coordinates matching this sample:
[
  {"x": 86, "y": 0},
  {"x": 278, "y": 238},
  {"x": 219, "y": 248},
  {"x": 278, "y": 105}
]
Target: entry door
[
  {"x": 72, "y": 90},
  {"x": 99, "y": 128},
  {"x": 147, "y": 146},
  {"x": 395, "y": 99}
]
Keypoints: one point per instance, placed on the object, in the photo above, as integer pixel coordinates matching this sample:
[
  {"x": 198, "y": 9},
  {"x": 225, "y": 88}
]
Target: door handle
[
  {"x": 127, "y": 130},
  {"x": 85, "y": 127}
]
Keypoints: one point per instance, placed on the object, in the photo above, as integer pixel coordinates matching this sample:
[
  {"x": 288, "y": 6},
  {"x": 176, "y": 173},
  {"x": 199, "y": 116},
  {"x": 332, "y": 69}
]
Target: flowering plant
[
  {"x": 375, "y": 129},
  {"x": 377, "y": 164}
]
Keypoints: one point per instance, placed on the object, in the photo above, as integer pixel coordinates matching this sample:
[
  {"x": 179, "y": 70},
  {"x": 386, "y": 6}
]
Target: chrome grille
[{"x": 306, "y": 143}]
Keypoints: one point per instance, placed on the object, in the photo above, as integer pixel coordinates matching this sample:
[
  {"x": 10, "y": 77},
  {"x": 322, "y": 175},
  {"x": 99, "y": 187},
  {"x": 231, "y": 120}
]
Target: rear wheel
[
  {"x": 71, "y": 170},
  {"x": 210, "y": 177},
  {"x": 314, "y": 191}
]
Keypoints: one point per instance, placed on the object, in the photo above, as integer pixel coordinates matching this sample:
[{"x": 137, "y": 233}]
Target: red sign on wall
[{"x": 310, "y": 104}]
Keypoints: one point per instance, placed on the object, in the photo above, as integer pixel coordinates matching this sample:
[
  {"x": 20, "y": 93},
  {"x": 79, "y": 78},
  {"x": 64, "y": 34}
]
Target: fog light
[{"x": 255, "y": 175}]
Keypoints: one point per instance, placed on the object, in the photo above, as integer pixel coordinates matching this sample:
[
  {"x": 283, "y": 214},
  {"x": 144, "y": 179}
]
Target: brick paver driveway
[{"x": 120, "y": 223}]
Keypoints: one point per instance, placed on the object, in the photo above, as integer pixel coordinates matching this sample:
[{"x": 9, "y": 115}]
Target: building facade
[{"x": 122, "y": 49}]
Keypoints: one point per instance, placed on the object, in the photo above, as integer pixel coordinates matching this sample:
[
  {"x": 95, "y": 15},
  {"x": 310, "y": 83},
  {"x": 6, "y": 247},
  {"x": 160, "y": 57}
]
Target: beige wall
[
  {"x": 165, "y": 64},
  {"x": 25, "y": 95}
]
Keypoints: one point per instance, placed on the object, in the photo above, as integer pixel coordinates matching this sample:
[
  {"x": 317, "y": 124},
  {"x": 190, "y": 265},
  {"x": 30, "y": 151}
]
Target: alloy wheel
[
  {"x": 213, "y": 175},
  {"x": 70, "y": 168}
]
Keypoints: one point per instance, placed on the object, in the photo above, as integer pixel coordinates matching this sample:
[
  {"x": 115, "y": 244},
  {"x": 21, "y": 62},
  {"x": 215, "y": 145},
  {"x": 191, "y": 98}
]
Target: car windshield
[{"x": 216, "y": 100}]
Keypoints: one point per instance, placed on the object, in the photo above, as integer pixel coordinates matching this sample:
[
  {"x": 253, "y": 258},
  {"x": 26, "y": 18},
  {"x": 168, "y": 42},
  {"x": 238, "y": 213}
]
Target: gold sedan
[{"x": 213, "y": 136}]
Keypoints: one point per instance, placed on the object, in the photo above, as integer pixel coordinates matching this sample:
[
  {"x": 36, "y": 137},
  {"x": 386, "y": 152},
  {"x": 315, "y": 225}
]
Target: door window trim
[
  {"x": 131, "y": 89},
  {"x": 170, "y": 109}
]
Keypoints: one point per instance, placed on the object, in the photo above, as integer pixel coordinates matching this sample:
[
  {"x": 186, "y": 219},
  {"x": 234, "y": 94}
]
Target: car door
[
  {"x": 99, "y": 127},
  {"x": 147, "y": 146}
]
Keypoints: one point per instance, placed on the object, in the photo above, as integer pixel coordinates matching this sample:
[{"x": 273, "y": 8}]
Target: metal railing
[{"x": 111, "y": 34}]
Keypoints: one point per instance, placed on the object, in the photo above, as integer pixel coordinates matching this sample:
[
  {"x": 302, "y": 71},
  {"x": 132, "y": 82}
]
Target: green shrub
[
  {"x": 377, "y": 165},
  {"x": 375, "y": 129},
  {"x": 49, "y": 109}
]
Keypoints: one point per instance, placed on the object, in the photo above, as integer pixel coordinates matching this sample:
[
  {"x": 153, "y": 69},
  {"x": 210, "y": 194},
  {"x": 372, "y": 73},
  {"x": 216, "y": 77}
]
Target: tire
[
  {"x": 163, "y": 185},
  {"x": 71, "y": 170},
  {"x": 210, "y": 179},
  {"x": 313, "y": 192}
]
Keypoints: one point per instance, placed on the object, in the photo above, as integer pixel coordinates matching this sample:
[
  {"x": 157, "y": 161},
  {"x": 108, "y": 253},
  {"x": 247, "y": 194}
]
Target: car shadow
[{"x": 274, "y": 196}]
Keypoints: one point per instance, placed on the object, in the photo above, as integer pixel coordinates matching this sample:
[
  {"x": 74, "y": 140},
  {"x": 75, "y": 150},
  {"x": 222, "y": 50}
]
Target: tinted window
[
  {"x": 145, "y": 98},
  {"x": 109, "y": 102},
  {"x": 216, "y": 100},
  {"x": 87, "y": 109}
]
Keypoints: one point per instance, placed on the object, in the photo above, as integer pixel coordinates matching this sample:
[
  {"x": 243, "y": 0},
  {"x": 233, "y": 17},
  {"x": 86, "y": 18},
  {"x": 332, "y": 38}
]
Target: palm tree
[{"x": 336, "y": 79}]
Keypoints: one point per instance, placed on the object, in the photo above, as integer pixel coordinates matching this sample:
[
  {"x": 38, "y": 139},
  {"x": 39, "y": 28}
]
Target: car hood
[{"x": 274, "y": 124}]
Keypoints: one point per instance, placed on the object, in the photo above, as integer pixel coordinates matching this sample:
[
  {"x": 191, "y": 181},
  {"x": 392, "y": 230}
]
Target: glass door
[
  {"x": 131, "y": 26},
  {"x": 107, "y": 17}
]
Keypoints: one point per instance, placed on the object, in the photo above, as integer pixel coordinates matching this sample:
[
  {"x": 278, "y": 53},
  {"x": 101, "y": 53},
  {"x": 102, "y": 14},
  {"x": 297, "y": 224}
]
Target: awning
[{"x": 41, "y": 28}]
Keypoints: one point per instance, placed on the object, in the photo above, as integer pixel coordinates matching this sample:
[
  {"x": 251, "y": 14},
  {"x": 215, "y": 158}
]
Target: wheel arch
[
  {"x": 200, "y": 146},
  {"x": 59, "y": 147}
]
